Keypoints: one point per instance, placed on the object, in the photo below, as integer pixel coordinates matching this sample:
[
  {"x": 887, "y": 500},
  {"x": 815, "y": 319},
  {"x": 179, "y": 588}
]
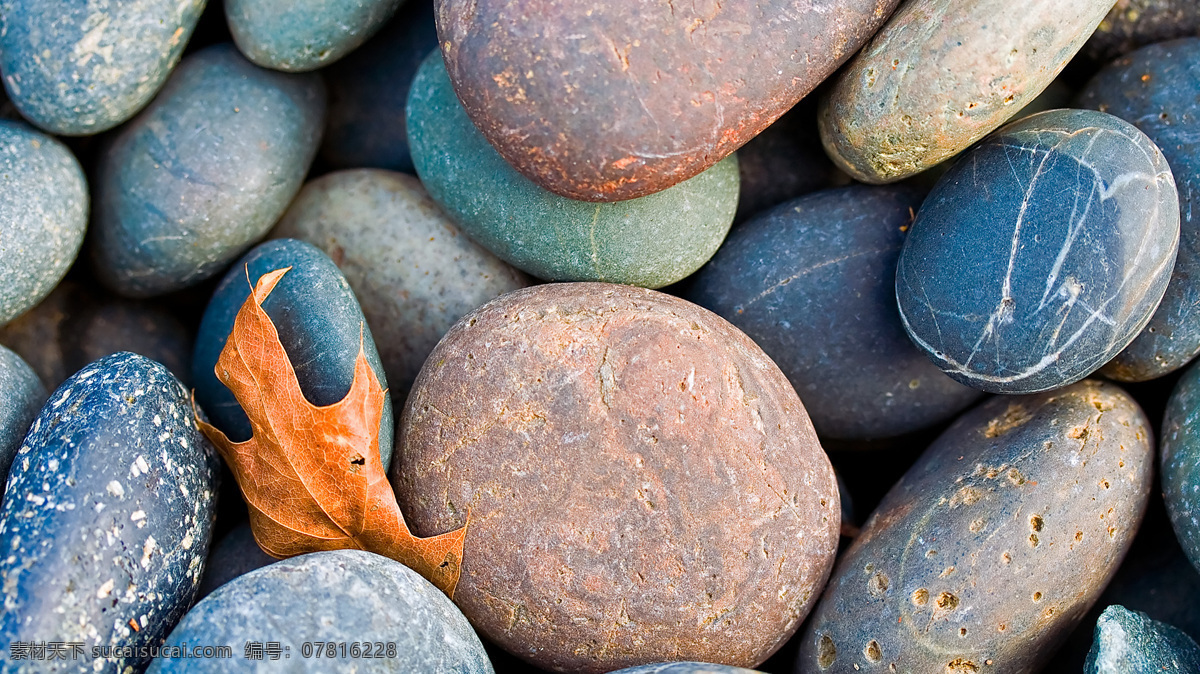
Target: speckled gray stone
[
  {"x": 107, "y": 514},
  {"x": 301, "y": 35},
  {"x": 78, "y": 68},
  {"x": 203, "y": 172},
  {"x": 344, "y": 595},
  {"x": 685, "y": 668},
  {"x": 43, "y": 215},
  {"x": 234, "y": 555},
  {"x": 411, "y": 268},
  {"x": 21, "y": 396},
  {"x": 1129, "y": 642}
]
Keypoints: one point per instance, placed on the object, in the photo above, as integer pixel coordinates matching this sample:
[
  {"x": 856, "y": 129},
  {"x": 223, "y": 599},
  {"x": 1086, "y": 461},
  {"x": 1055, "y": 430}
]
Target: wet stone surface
[
  {"x": 1129, "y": 642},
  {"x": 1181, "y": 462},
  {"x": 990, "y": 549},
  {"x": 107, "y": 513},
  {"x": 21, "y": 397},
  {"x": 601, "y": 101},
  {"x": 1040, "y": 254},
  {"x": 304, "y": 35},
  {"x": 636, "y": 470}
]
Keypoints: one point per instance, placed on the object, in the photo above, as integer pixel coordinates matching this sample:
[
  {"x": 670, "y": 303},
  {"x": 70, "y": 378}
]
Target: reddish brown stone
[
  {"x": 643, "y": 483},
  {"x": 604, "y": 101}
]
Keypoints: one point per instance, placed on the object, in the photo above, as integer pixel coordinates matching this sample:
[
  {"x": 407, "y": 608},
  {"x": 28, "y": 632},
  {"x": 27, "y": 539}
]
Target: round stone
[
  {"x": 302, "y": 35},
  {"x": 1041, "y": 253}
]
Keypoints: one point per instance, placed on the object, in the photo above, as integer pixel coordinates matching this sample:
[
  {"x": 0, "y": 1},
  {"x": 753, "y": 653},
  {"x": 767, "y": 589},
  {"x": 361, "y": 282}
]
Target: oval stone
[
  {"x": 994, "y": 544},
  {"x": 636, "y": 470},
  {"x": 609, "y": 101},
  {"x": 812, "y": 282},
  {"x": 43, "y": 215},
  {"x": 941, "y": 75},
  {"x": 1181, "y": 462},
  {"x": 1145, "y": 89},
  {"x": 79, "y": 68},
  {"x": 347, "y": 596},
  {"x": 369, "y": 89},
  {"x": 107, "y": 513},
  {"x": 413, "y": 271},
  {"x": 1133, "y": 23},
  {"x": 319, "y": 323},
  {"x": 1129, "y": 642},
  {"x": 21, "y": 396},
  {"x": 652, "y": 241},
  {"x": 303, "y": 35},
  {"x": 234, "y": 555},
  {"x": 203, "y": 172},
  {"x": 1041, "y": 253}
]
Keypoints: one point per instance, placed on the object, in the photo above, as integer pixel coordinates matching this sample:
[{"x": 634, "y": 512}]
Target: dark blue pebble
[
  {"x": 1180, "y": 456},
  {"x": 78, "y": 68},
  {"x": 1147, "y": 89},
  {"x": 813, "y": 283},
  {"x": 346, "y": 596},
  {"x": 318, "y": 320},
  {"x": 369, "y": 89},
  {"x": 107, "y": 514},
  {"x": 21, "y": 396},
  {"x": 234, "y": 555},
  {"x": 1129, "y": 642},
  {"x": 1041, "y": 253},
  {"x": 203, "y": 172}
]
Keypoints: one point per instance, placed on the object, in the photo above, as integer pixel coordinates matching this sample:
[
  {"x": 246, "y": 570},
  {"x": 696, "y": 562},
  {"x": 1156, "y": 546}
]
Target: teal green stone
[{"x": 650, "y": 241}]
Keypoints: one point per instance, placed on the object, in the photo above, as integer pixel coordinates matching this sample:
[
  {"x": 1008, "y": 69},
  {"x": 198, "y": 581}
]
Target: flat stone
[
  {"x": 994, "y": 544},
  {"x": 628, "y": 459},
  {"x": 203, "y": 172},
  {"x": 1131, "y": 24},
  {"x": 813, "y": 282},
  {"x": 1129, "y": 642},
  {"x": 1042, "y": 253},
  {"x": 369, "y": 89},
  {"x": 21, "y": 397},
  {"x": 303, "y": 35},
  {"x": 1146, "y": 89},
  {"x": 43, "y": 215},
  {"x": 606, "y": 101},
  {"x": 340, "y": 596},
  {"x": 235, "y": 555},
  {"x": 319, "y": 322},
  {"x": 107, "y": 516},
  {"x": 413, "y": 271},
  {"x": 652, "y": 241},
  {"x": 79, "y": 68},
  {"x": 941, "y": 75}
]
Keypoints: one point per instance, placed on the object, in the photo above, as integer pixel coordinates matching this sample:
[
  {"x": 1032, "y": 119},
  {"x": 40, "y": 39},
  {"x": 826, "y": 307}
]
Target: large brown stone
[
  {"x": 604, "y": 101},
  {"x": 642, "y": 481}
]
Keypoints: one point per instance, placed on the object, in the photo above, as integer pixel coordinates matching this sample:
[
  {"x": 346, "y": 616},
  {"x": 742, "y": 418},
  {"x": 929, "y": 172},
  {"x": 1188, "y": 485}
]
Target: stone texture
[
  {"x": 989, "y": 550},
  {"x": 685, "y": 668},
  {"x": 342, "y": 596},
  {"x": 1181, "y": 462},
  {"x": 1040, "y": 254},
  {"x": 107, "y": 515},
  {"x": 941, "y": 75},
  {"x": 606, "y": 101},
  {"x": 413, "y": 271},
  {"x": 43, "y": 215},
  {"x": 369, "y": 89},
  {"x": 203, "y": 172},
  {"x": 1147, "y": 89},
  {"x": 319, "y": 323},
  {"x": 79, "y": 68},
  {"x": 636, "y": 470},
  {"x": 1133, "y": 23},
  {"x": 652, "y": 241},
  {"x": 813, "y": 282},
  {"x": 21, "y": 396},
  {"x": 234, "y": 555},
  {"x": 303, "y": 35},
  {"x": 1129, "y": 642}
]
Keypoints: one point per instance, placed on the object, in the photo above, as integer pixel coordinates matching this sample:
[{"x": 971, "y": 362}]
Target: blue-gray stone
[
  {"x": 1157, "y": 89},
  {"x": 341, "y": 596},
  {"x": 43, "y": 215},
  {"x": 1180, "y": 447},
  {"x": 301, "y": 35},
  {"x": 234, "y": 555},
  {"x": 107, "y": 515},
  {"x": 203, "y": 172},
  {"x": 21, "y": 396},
  {"x": 685, "y": 668},
  {"x": 1129, "y": 642},
  {"x": 319, "y": 323},
  {"x": 79, "y": 68},
  {"x": 369, "y": 89},
  {"x": 1041, "y": 253},
  {"x": 812, "y": 282}
]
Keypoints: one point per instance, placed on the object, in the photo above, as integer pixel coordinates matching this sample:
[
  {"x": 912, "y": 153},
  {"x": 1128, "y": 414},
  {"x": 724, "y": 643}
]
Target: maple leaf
[{"x": 311, "y": 476}]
